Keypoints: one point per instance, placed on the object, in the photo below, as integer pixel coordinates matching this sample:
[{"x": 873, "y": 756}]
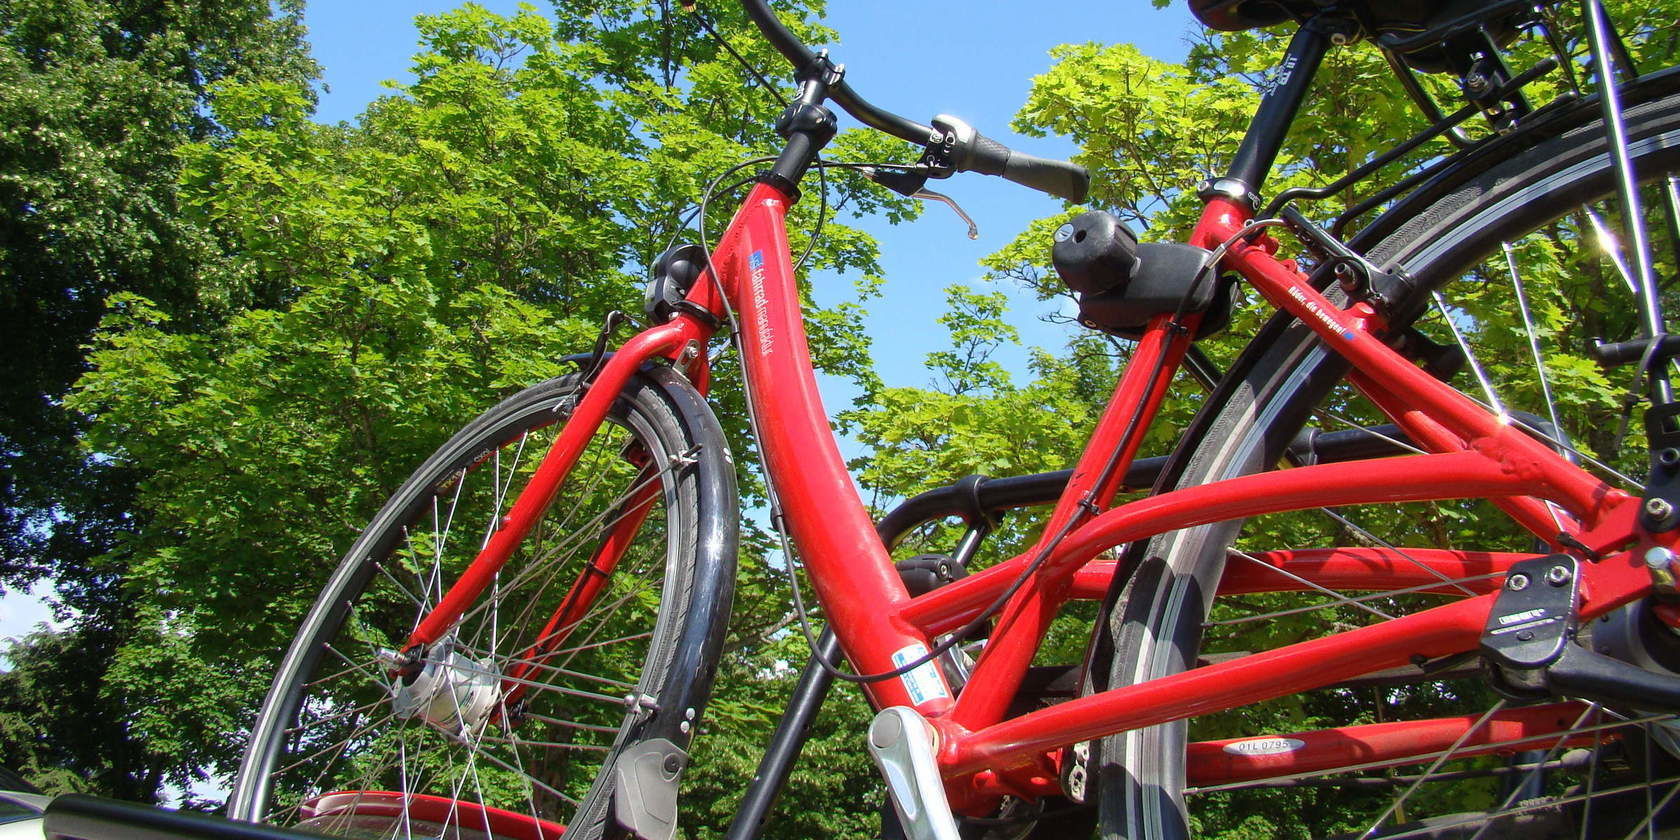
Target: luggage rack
[{"x": 80, "y": 817}]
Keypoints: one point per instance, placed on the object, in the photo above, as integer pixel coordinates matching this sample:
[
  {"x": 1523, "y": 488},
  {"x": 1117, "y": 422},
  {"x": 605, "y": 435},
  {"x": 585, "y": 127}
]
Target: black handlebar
[{"x": 964, "y": 148}]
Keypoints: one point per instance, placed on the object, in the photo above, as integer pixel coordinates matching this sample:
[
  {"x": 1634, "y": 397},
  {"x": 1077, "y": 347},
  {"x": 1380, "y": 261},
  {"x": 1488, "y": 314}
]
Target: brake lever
[
  {"x": 911, "y": 183},
  {"x": 929, "y": 195}
]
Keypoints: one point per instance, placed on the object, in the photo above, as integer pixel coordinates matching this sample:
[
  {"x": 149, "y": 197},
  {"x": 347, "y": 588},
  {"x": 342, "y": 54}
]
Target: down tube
[{"x": 849, "y": 567}]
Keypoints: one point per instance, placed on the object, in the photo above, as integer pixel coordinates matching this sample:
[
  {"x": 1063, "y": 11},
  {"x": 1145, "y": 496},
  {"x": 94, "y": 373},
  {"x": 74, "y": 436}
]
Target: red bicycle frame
[
  {"x": 880, "y": 626},
  {"x": 983, "y": 753}
]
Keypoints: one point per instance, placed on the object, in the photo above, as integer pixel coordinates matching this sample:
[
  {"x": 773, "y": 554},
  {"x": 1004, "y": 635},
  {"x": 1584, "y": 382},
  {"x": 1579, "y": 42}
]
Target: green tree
[
  {"x": 95, "y": 98},
  {"x": 403, "y": 272}
]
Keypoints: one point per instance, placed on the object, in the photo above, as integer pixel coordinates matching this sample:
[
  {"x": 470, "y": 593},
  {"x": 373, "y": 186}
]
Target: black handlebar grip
[
  {"x": 985, "y": 155},
  {"x": 972, "y": 151},
  {"x": 1056, "y": 177}
]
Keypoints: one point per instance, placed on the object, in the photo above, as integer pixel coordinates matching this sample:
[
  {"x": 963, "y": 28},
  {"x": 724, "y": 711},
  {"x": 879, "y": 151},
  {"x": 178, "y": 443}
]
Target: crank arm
[{"x": 901, "y": 742}]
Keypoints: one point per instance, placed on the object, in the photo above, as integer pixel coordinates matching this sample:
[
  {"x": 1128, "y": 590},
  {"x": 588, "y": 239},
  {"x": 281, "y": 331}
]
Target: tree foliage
[
  {"x": 96, "y": 97},
  {"x": 377, "y": 283},
  {"x": 295, "y": 314}
]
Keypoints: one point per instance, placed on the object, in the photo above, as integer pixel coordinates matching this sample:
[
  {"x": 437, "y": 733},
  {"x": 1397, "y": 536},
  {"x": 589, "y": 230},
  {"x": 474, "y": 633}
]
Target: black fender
[{"x": 716, "y": 548}]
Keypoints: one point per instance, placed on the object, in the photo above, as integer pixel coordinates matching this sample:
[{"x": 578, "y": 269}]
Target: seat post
[{"x": 1280, "y": 103}]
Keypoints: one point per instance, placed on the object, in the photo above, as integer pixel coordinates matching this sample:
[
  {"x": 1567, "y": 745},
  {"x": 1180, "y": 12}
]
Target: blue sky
[
  {"x": 976, "y": 63},
  {"x": 974, "y": 60}
]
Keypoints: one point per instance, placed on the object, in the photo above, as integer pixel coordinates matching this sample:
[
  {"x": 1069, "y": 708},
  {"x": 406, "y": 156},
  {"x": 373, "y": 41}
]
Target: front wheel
[
  {"x": 1519, "y": 266},
  {"x": 599, "y": 633}
]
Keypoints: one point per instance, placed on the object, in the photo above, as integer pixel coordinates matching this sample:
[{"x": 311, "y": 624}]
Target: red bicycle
[{"x": 522, "y": 642}]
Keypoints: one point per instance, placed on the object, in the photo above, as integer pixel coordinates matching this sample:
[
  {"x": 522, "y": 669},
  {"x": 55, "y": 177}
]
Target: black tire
[
  {"x": 1156, "y": 619},
  {"x": 329, "y": 722}
]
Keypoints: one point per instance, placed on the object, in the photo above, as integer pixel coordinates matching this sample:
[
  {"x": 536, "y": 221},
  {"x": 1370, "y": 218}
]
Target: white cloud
[{"x": 23, "y": 611}]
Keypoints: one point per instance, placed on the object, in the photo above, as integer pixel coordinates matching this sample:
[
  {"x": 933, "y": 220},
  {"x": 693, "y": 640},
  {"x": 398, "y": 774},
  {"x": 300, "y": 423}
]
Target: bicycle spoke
[
  {"x": 606, "y": 613},
  {"x": 577, "y": 535},
  {"x": 553, "y": 744},
  {"x": 360, "y": 667},
  {"x": 1437, "y": 828},
  {"x": 1400, "y": 801},
  {"x": 607, "y": 643},
  {"x": 1570, "y": 451},
  {"x": 1363, "y": 532},
  {"x": 1470, "y": 356},
  {"x": 514, "y": 739},
  {"x": 1343, "y": 599},
  {"x": 342, "y": 743},
  {"x": 528, "y": 780},
  {"x": 475, "y": 750},
  {"x": 1339, "y": 598},
  {"x": 1339, "y": 418},
  {"x": 572, "y": 724},
  {"x": 1550, "y": 751},
  {"x": 404, "y": 785},
  {"x": 1533, "y": 337},
  {"x": 412, "y": 598},
  {"x": 507, "y": 661},
  {"x": 1649, "y": 825},
  {"x": 503, "y": 487},
  {"x": 338, "y": 716},
  {"x": 1612, "y": 248}
]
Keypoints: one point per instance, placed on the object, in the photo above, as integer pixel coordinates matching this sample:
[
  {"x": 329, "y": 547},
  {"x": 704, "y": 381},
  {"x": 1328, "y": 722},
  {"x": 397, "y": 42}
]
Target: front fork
[{"x": 666, "y": 340}]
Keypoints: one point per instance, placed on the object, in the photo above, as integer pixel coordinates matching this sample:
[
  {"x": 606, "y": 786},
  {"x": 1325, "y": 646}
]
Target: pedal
[{"x": 901, "y": 742}]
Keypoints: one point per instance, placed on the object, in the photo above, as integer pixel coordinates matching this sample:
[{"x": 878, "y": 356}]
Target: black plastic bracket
[
  {"x": 674, "y": 274},
  {"x": 1530, "y": 640},
  {"x": 1661, "y": 509},
  {"x": 905, "y": 182},
  {"x": 1534, "y": 615},
  {"x": 926, "y": 572},
  {"x": 645, "y": 788}
]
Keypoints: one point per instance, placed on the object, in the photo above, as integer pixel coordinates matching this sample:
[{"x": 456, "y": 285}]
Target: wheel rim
[
  {"x": 510, "y": 719},
  {"x": 1514, "y": 301}
]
